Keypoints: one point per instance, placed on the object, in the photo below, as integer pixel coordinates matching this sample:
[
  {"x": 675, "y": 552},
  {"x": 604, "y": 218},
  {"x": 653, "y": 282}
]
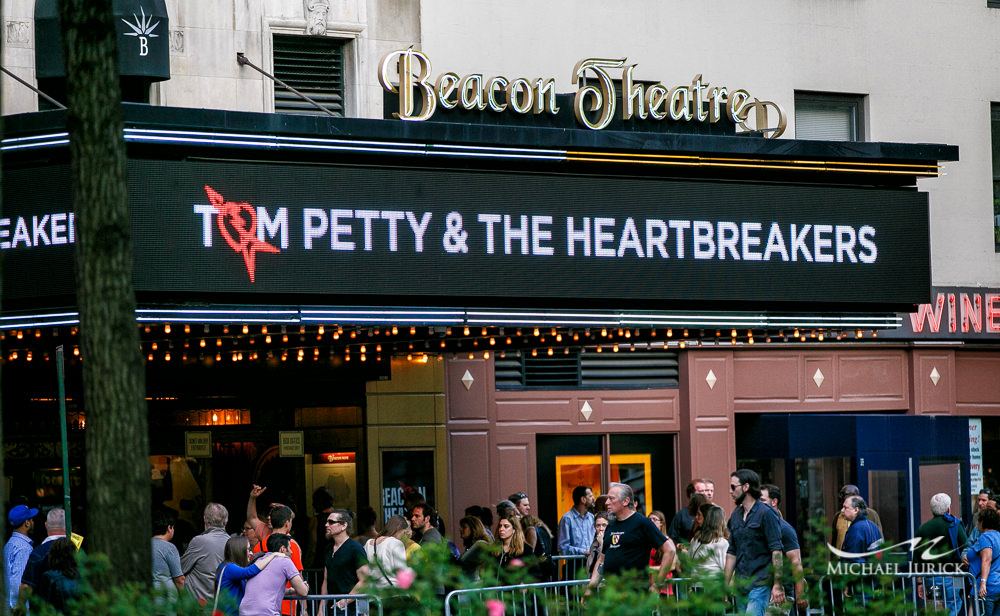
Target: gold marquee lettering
[{"x": 408, "y": 73}]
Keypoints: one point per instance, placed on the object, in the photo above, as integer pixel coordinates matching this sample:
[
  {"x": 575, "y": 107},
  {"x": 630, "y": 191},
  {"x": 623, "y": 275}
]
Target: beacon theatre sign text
[{"x": 408, "y": 72}]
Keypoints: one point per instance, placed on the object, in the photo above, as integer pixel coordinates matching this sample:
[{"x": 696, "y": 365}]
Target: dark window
[
  {"x": 314, "y": 65},
  {"x": 590, "y": 370},
  {"x": 995, "y": 126},
  {"x": 829, "y": 117},
  {"x": 993, "y": 4}
]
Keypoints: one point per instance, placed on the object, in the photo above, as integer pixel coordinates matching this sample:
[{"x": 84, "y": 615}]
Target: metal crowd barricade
[
  {"x": 326, "y": 605},
  {"x": 921, "y": 593},
  {"x": 548, "y": 599},
  {"x": 568, "y": 567},
  {"x": 314, "y": 578}
]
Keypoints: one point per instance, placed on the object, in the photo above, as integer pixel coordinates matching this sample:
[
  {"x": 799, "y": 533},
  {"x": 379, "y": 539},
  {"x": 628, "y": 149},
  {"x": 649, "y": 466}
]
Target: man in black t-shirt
[
  {"x": 344, "y": 557},
  {"x": 629, "y": 539}
]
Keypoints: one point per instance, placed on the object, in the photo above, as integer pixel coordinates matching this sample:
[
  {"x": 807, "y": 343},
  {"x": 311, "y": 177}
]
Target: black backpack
[{"x": 543, "y": 552}]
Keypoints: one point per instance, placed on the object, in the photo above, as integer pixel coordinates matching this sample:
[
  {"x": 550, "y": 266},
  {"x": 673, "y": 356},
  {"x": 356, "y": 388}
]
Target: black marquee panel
[{"x": 651, "y": 242}]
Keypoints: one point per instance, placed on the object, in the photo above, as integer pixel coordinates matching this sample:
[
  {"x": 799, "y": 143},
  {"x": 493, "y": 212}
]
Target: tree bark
[{"x": 117, "y": 437}]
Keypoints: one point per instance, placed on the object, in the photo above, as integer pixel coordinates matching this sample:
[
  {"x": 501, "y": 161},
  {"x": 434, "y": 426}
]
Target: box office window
[
  {"x": 995, "y": 129},
  {"x": 829, "y": 117},
  {"x": 313, "y": 65}
]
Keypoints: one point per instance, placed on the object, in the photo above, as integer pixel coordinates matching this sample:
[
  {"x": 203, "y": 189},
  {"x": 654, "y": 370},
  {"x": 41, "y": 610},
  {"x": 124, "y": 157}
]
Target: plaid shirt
[{"x": 15, "y": 555}]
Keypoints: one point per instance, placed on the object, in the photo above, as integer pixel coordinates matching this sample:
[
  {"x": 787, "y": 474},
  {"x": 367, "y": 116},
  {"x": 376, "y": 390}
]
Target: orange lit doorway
[{"x": 643, "y": 461}]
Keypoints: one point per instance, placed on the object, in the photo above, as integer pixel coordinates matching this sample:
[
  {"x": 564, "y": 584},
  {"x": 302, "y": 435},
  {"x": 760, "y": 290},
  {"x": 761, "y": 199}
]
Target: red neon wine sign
[{"x": 234, "y": 215}]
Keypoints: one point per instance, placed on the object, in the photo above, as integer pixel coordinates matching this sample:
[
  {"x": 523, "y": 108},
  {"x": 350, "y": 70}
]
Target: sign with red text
[{"x": 953, "y": 313}]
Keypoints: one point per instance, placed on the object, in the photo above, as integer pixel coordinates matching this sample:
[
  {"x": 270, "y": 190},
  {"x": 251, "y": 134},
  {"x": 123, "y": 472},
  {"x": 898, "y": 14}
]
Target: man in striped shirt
[{"x": 18, "y": 549}]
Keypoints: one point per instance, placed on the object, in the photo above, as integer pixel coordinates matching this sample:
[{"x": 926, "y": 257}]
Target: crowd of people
[{"x": 252, "y": 573}]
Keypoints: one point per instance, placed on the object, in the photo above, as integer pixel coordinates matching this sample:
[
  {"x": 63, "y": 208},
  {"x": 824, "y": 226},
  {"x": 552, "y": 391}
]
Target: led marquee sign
[{"x": 480, "y": 238}]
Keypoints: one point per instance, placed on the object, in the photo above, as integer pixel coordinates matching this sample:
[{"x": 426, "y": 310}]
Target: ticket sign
[
  {"x": 410, "y": 235},
  {"x": 198, "y": 444},
  {"x": 291, "y": 444}
]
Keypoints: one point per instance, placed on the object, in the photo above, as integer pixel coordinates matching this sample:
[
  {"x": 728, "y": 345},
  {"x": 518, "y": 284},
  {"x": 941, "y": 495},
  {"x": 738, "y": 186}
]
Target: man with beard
[
  {"x": 628, "y": 541},
  {"x": 343, "y": 557},
  {"x": 754, "y": 544}
]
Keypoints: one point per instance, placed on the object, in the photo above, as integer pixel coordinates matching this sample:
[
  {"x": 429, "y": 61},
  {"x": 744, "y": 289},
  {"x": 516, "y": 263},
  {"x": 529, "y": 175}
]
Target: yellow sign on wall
[{"x": 291, "y": 444}]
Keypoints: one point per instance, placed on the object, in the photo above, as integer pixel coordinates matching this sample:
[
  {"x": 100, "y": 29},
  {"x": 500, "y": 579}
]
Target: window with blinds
[
  {"x": 313, "y": 65},
  {"x": 631, "y": 370},
  {"x": 829, "y": 117}
]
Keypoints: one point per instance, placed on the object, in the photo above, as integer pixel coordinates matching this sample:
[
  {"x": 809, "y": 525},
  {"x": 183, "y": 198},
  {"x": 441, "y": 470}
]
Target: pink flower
[
  {"x": 405, "y": 577},
  {"x": 495, "y": 607},
  {"x": 517, "y": 562}
]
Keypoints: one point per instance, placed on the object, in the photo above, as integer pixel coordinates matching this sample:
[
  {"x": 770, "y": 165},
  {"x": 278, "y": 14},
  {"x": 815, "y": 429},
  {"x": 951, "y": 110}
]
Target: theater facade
[{"x": 506, "y": 282}]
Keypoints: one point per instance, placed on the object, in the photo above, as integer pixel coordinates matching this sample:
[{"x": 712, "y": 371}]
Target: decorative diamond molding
[
  {"x": 711, "y": 379},
  {"x": 467, "y": 380},
  {"x": 818, "y": 378},
  {"x": 935, "y": 376},
  {"x": 586, "y": 411}
]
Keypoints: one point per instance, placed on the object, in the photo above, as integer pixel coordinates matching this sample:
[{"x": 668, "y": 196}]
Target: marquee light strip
[
  {"x": 279, "y": 142},
  {"x": 489, "y": 318}
]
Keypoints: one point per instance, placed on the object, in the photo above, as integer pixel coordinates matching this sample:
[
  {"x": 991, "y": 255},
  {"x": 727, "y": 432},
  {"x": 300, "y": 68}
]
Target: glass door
[{"x": 643, "y": 461}]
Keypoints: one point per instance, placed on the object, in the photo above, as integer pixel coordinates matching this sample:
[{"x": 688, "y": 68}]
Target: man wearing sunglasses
[
  {"x": 754, "y": 545},
  {"x": 343, "y": 557}
]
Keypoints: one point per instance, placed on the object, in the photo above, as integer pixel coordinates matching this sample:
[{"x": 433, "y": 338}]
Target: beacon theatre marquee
[{"x": 252, "y": 208}]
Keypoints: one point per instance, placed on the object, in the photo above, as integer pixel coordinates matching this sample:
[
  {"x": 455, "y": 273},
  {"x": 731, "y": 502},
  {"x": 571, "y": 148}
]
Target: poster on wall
[
  {"x": 407, "y": 479},
  {"x": 337, "y": 474},
  {"x": 976, "y": 454}
]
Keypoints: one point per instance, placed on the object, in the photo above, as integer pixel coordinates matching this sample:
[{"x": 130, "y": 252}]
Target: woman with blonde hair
[{"x": 708, "y": 549}]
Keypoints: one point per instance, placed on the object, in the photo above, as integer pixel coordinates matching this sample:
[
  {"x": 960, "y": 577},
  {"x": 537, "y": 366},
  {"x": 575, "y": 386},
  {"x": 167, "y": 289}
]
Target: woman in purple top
[{"x": 234, "y": 572}]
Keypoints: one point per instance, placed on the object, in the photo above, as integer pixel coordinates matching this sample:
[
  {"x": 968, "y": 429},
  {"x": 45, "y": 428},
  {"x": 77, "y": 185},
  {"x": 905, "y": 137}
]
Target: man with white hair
[
  {"x": 628, "y": 541},
  {"x": 201, "y": 560},
  {"x": 943, "y": 539},
  {"x": 38, "y": 562}
]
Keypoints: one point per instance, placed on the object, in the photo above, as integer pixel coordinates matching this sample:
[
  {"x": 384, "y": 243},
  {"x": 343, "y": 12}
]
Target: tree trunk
[{"x": 117, "y": 437}]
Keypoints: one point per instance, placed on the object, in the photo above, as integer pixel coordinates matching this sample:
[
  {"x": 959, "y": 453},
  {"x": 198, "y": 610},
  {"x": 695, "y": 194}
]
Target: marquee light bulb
[
  {"x": 166, "y": 328},
  {"x": 536, "y": 332},
  {"x": 413, "y": 331},
  {"x": 322, "y": 330},
  {"x": 604, "y": 332},
  {"x": 465, "y": 331},
  {"x": 395, "y": 330}
]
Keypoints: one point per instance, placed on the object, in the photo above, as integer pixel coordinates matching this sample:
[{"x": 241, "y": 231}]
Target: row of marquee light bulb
[{"x": 204, "y": 344}]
